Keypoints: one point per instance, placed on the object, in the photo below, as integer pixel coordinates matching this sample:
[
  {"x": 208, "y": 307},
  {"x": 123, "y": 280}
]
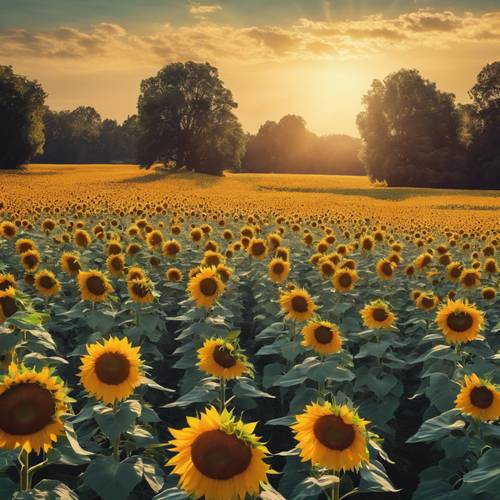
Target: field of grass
[{"x": 148, "y": 318}]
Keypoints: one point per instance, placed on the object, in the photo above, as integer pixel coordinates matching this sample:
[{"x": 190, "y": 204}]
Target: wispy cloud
[
  {"x": 303, "y": 40},
  {"x": 202, "y": 10}
]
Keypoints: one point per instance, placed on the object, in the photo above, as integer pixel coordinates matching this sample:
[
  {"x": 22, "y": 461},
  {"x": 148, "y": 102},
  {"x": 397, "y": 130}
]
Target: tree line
[{"x": 412, "y": 134}]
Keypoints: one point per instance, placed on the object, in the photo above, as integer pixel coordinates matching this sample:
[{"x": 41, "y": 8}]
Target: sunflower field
[{"x": 251, "y": 336}]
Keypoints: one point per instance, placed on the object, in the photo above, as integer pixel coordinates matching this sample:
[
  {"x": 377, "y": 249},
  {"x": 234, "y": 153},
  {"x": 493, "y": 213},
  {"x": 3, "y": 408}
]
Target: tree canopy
[
  {"x": 186, "y": 119},
  {"x": 21, "y": 124},
  {"x": 287, "y": 146}
]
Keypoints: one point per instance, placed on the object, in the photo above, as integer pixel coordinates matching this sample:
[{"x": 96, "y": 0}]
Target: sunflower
[
  {"x": 173, "y": 274},
  {"x": 221, "y": 359},
  {"x": 111, "y": 370},
  {"x": 426, "y": 301},
  {"x": 488, "y": 293},
  {"x": 8, "y": 230},
  {"x": 282, "y": 253},
  {"x": 135, "y": 273},
  {"x": 7, "y": 281},
  {"x": 140, "y": 291},
  {"x": 171, "y": 248},
  {"x": 218, "y": 457},
  {"x": 257, "y": 248},
  {"x": 133, "y": 248},
  {"x": 224, "y": 272},
  {"x": 331, "y": 435},
  {"x": 459, "y": 321},
  {"x": 326, "y": 268},
  {"x": 30, "y": 260},
  {"x": 278, "y": 270},
  {"x": 377, "y": 315},
  {"x": 479, "y": 399},
  {"x": 211, "y": 258},
  {"x": 470, "y": 278},
  {"x": 70, "y": 263},
  {"x": 367, "y": 243},
  {"x": 24, "y": 244},
  {"x": 491, "y": 266},
  {"x": 94, "y": 286},
  {"x": 116, "y": 264},
  {"x": 423, "y": 260},
  {"x": 8, "y": 305},
  {"x": 298, "y": 304},
  {"x": 113, "y": 247},
  {"x": 82, "y": 238},
  {"x": 31, "y": 406},
  {"x": 344, "y": 280},
  {"x": 385, "y": 269},
  {"x": 205, "y": 287},
  {"x": 154, "y": 239},
  {"x": 322, "y": 337},
  {"x": 46, "y": 283}
]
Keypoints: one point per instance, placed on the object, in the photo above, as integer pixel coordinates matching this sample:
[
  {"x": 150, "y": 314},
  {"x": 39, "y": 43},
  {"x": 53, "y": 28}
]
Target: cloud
[
  {"x": 108, "y": 43},
  {"x": 202, "y": 10}
]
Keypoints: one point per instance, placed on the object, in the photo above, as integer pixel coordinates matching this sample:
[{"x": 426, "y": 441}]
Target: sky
[{"x": 314, "y": 58}]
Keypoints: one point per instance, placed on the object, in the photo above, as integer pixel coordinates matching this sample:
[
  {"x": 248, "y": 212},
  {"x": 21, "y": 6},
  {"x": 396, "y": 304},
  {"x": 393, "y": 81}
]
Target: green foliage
[
  {"x": 186, "y": 118},
  {"x": 21, "y": 125}
]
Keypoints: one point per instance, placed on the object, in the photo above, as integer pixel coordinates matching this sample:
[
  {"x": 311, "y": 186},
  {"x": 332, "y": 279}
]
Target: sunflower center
[
  {"x": 223, "y": 357},
  {"x": 112, "y": 368},
  {"x": 258, "y": 248},
  {"x": 387, "y": 269},
  {"x": 96, "y": 285},
  {"x": 220, "y": 456},
  {"x": 30, "y": 260},
  {"x": 455, "y": 272},
  {"x": 4, "y": 285},
  {"x": 26, "y": 409},
  {"x": 278, "y": 268},
  {"x": 8, "y": 305},
  {"x": 380, "y": 314},
  {"x": 299, "y": 304},
  {"x": 24, "y": 247},
  {"x": 171, "y": 249},
  {"x": 481, "y": 397},
  {"x": 332, "y": 432},
  {"x": 469, "y": 279},
  {"x": 323, "y": 334},
  {"x": 47, "y": 282},
  {"x": 459, "y": 322},
  {"x": 427, "y": 302},
  {"x": 117, "y": 264},
  {"x": 73, "y": 264},
  {"x": 208, "y": 287},
  {"x": 140, "y": 290},
  {"x": 345, "y": 280}
]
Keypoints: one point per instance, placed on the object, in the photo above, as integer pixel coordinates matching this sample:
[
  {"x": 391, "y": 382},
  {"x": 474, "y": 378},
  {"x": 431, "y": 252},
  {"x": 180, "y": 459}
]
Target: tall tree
[
  {"x": 21, "y": 123},
  {"x": 411, "y": 133},
  {"x": 484, "y": 128},
  {"x": 186, "y": 119}
]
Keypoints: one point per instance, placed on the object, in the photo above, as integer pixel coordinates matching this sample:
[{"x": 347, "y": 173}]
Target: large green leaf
[
  {"x": 485, "y": 478},
  {"x": 438, "y": 427}
]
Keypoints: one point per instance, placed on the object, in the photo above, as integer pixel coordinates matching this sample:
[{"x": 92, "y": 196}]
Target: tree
[
  {"x": 186, "y": 120},
  {"x": 411, "y": 133},
  {"x": 21, "y": 124},
  {"x": 288, "y": 146},
  {"x": 484, "y": 128}
]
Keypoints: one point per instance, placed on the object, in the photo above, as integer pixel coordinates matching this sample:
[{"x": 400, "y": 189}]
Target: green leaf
[
  {"x": 485, "y": 478},
  {"x": 47, "y": 489},
  {"x": 113, "y": 424},
  {"x": 7, "y": 487},
  {"x": 171, "y": 494},
  {"x": 374, "y": 478},
  {"x": 153, "y": 474},
  {"x": 110, "y": 479},
  {"x": 438, "y": 427}
]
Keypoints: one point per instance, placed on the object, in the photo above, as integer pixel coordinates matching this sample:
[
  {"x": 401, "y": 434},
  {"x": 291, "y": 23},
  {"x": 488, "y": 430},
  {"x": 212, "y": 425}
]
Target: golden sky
[{"x": 310, "y": 63}]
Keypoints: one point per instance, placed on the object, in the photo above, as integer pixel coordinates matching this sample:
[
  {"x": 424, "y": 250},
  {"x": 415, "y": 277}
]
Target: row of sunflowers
[{"x": 181, "y": 355}]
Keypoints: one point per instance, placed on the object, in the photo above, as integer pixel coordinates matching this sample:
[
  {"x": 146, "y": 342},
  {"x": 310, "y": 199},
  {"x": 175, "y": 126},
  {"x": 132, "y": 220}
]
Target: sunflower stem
[
  {"x": 24, "y": 476},
  {"x": 222, "y": 394},
  {"x": 336, "y": 489},
  {"x": 116, "y": 441}
]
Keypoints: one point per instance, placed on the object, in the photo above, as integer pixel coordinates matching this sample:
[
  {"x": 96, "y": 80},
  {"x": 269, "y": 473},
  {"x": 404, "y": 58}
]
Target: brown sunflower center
[
  {"x": 323, "y": 334},
  {"x": 386, "y": 269},
  {"x": 8, "y": 305},
  {"x": 174, "y": 275},
  {"x": 47, "y": 282},
  {"x": 208, "y": 287},
  {"x": 481, "y": 397},
  {"x": 469, "y": 279},
  {"x": 455, "y": 272},
  {"x": 367, "y": 244},
  {"x": 25, "y": 409},
  {"x": 427, "y": 302},
  {"x": 140, "y": 290},
  {"x": 278, "y": 268},
  {"x": 345, "y": 280},
  {"x": 299, "y": 304},
  {"x": 380, "y": 314},
  {"x": 5, "y": 284},
  {"x": 223, "y": 357},
  {"x": 220, "y": 456},
  {"x": 30, "y": 261},
  {"x": 112, "y": 368},
  {"x": 96, "y": 285},
  {"x": 24, "y": 247},
  {"x": 459, "y": 321},
  {"x": 332, "y": 432},
  {"x": 117, "y": 264},
  {"x": 258, "y": 248},
  {"x": 172, "y": 249},
  {"x": 73, "y": 264}
]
